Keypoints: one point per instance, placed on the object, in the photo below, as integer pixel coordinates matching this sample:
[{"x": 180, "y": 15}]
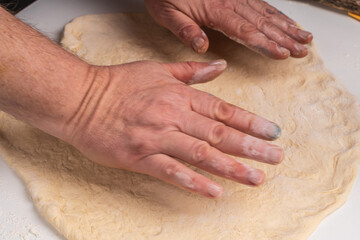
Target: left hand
[{"x": 254, "y": 23}]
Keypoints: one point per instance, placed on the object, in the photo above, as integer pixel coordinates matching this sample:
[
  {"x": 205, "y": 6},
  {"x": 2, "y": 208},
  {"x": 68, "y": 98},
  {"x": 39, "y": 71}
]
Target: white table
[{"x": 336, "y": 35}]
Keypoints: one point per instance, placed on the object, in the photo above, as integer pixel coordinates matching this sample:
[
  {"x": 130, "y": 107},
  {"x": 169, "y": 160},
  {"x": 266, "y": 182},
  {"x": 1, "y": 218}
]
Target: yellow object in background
[{"x": 354, "y": 15}]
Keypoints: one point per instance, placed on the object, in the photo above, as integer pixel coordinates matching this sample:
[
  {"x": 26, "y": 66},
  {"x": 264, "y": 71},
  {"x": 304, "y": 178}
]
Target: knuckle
[
  {"x": 224, "y": 111},
  {"x": 271, "y": 27},
  {"x": 170, "y": 98},
  {"x": 284, "y": 26},
  {"x": 200, "y": 152},
  {"x": 246, "y": 27},
  {"x": 218, "y": 16},
  {"x": 251, "y": 121},
  {"x": 170, "y": 169},
  {"x": 190, "y": 66},
  {"x": 261, "y": 22},
  {"x": 268, "y": 11},
  {"x": 248, "y": 118},
  {"x": 141, "y": 144},
  {"x": 175, "y": 174},
  {"x": 212, "y": 19},
  {"x": 218, "y": 134},
  {"x": 186, "y": 32}
]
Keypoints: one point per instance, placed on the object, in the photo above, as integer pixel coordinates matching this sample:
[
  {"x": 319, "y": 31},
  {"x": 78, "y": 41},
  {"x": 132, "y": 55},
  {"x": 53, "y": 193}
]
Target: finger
[
  {"x": 294, "y": 32},
  {"x": 230, "y": 140},
  {"x": 265, "y": 8},
  {"x": 188, "y": 31},
  {"x": 233, "y": 116},
  {"x": 244, "y": 32},
  {"x": 272, "y": 31},
  {"x": 196, "y": 72},
  {"x": 282, "y": 21},
  {"x": 202, "y": 155},
  {"x": 170, "y": 170}
]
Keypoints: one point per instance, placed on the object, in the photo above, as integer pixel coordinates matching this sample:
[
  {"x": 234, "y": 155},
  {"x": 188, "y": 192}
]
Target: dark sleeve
[{"x": 15, "y": 6}]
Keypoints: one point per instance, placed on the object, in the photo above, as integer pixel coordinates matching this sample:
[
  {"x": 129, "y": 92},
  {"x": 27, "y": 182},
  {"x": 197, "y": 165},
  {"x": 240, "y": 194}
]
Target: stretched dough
[{"x": 319, "y": 118}]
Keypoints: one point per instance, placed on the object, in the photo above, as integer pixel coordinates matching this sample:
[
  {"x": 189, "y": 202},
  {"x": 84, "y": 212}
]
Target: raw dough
[{"x": 319, "y": 118}]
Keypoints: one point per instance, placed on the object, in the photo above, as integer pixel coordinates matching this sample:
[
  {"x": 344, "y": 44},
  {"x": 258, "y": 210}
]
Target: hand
[
  {"x": 142, "y": 116},
  {"x": 253, "y": 23}
]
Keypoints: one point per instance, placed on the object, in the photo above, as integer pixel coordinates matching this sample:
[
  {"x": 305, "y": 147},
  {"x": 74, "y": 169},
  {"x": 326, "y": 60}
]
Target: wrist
[
  {"x": 66, "y": 98},
  {"x": 54, "y": 99},
  {"x": 41, "y": 83},
  {"x": 80, "y": 115}
]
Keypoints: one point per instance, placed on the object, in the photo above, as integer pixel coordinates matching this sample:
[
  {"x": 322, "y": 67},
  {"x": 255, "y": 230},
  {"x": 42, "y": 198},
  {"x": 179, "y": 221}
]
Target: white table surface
[{"x": 336, "y": 35}]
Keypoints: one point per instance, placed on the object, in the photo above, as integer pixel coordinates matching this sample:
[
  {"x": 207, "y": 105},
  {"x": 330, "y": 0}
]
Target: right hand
[
  {"x": 142, "y": 117},
  {"x": 253, "y": 23}
]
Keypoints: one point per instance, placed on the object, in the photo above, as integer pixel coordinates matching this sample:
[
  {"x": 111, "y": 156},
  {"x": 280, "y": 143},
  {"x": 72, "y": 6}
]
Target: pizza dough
[{"x": 319, "y": 118}]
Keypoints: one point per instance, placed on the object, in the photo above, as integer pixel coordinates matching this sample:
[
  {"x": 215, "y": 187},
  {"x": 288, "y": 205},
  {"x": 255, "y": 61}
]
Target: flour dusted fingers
[
  {"x": 230, "y": 140},
  {"x": 172, "y": 171},
  {"x": 280, "y": 20},
  {"x": 234, "y": 116},
  {"x": 200, "y": 154},
  {"x": 273, "y": 31}
]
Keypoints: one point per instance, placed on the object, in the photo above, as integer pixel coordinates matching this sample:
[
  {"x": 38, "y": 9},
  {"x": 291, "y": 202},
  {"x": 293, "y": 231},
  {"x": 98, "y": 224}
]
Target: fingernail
[
  {"x": 265, "y": 128},
  {"x": 283, "y": 51},
  {"x": 208, "y": 72},
  {"x": 273, "y": 131},
  {"x": 214, "y": 190},
  {"x": 203, "y": 74},
  {"x": 299, "y": 48},
  {"x": 275, "y": 154},
  {"x": 305, "y": 35},
  {"x": 220, "y": 64},
  {"x": 203, "y": 34},
  {"x": 255, "y": 176},
  {"x": 198, "y": 43}
]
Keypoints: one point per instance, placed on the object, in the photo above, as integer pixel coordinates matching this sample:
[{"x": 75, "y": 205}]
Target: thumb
[
  {"x": 196, "y": 72},
  {"x": 186, "y": 30}
]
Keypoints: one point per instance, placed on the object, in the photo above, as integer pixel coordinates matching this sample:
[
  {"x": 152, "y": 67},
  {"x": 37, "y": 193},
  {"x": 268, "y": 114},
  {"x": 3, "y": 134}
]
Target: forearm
[{"x": 40, "y": 83}]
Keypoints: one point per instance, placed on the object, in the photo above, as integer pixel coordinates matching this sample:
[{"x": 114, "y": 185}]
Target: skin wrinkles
[
  {"x": 35, "y": 66},
  {"x": 140, "y": 116},
  {"x": 226, "y": 16},
  {"x": 90, "y": 104},
  {"x": 80, "y": 110}
]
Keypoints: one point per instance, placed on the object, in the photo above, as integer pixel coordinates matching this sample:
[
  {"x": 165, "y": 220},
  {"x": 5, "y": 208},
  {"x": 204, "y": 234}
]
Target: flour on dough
[{"x": 319, "y": 118}]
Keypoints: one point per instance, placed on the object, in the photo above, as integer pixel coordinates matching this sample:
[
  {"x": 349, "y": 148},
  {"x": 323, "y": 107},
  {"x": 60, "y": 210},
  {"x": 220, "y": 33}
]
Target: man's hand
[
  {"x": 142, "y": 117},
  {"x": 253, "y": 23}
]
